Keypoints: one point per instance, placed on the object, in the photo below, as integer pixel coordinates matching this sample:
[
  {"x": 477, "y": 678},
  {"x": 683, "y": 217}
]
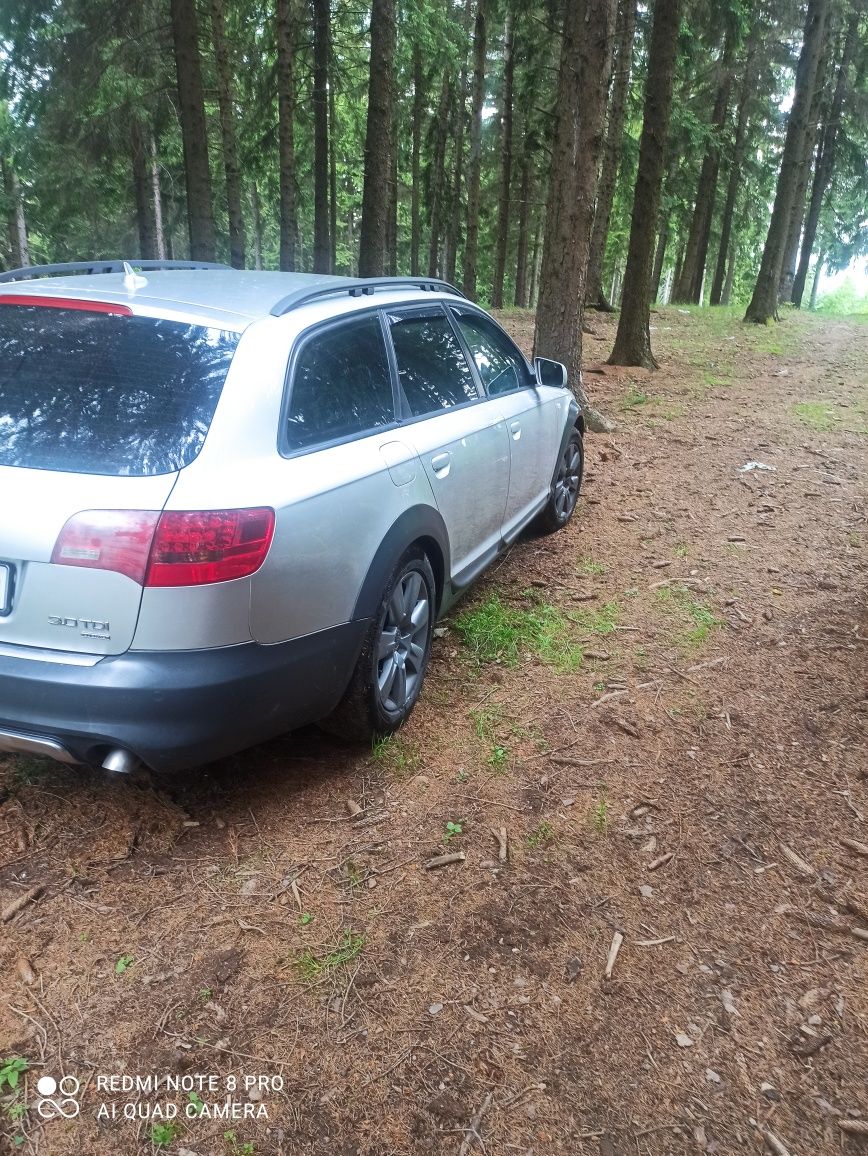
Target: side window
[
  {"x": 501, "y": 368},
  {"x": 340, "y": 385},
  {"x": 431, "y": 364}
]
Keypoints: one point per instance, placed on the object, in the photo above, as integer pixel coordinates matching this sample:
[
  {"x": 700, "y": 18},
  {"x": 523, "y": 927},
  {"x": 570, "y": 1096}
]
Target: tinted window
[
  {"x": 500, "y": 366},
  {"x": 96, "y": 393},
  {"x": 431, "y": 363},
  {"x": 341, "y": 385}
]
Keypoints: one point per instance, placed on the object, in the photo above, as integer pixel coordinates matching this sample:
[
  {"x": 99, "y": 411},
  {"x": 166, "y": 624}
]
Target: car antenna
[{"x": 132, "y": 280}]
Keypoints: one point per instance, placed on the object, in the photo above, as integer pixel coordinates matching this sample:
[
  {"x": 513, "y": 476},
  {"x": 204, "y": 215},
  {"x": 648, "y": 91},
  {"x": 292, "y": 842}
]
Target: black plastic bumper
[{"x": 178, "y": 710}]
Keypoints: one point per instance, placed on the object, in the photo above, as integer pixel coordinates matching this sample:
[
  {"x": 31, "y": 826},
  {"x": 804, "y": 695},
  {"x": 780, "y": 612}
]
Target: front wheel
[
  {"x": 388, "y": 676},
  {"x": 565, "y": 486}
]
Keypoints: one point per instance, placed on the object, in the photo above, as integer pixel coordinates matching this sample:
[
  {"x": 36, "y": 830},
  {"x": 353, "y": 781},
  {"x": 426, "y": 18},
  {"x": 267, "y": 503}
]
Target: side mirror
[{"x": 550, "y": 373}]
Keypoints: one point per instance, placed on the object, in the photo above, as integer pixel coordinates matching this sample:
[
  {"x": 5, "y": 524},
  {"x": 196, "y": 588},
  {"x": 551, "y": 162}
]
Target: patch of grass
[
  {"x": 683, "y": 603},
  {"x": 162, "y": 1135},
  {"x": 123, "y": 964},
  {"x": 25, "y": 770},
  {"x": 498, "y": 757},
  {"x": 541, "y": 836},
  {"x": 682, "y": 550},
  {"x": 495, "y": 632},
  {"x": 352, "y": 875},
  {"x": 313, "y": 967},
  {"x": 393, "y": 752},
  {"x": 816, "y": 415},
  {"x": 236, "y": 1147},
  {"x": 599, "y": 815},
  {"x": 589, "y": 566},
  {"x": 597, "y": 620},
  {"x": 486, "y": 720}
]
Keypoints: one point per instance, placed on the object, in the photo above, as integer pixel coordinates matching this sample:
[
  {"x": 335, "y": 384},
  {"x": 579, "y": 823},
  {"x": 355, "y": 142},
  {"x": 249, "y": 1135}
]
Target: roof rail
[
  {"x": 359, "y": 287},
  {"x": 69, "y": 268}
]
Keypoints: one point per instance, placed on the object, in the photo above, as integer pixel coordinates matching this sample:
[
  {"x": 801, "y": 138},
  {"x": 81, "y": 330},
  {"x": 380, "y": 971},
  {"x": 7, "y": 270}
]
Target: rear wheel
[
  {"x": 391, "y": 668},
  {"x": 565, "y": 487}
]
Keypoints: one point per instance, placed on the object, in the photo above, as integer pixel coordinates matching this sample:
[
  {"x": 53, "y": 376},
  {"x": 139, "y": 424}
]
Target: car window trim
[
  {"x": 476, "y": 311},
  {"x": 301, "y": 340},
  {"x": 429, "y": 308}
]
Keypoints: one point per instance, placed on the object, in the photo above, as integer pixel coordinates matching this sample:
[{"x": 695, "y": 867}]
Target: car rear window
[{"x": 95, "y": 393}]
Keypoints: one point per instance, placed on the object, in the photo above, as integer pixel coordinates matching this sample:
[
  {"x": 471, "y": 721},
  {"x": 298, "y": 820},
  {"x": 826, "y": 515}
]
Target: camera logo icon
[{"x": 66, "y": 1088}]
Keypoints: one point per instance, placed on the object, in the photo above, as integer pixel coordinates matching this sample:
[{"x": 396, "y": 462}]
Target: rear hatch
[{"x": 99, "y": 410}]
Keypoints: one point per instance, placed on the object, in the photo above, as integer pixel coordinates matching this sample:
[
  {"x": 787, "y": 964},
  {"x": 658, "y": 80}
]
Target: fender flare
[
  {"x": 574, "y": 421},
  {"x": 415, "y": 524}
]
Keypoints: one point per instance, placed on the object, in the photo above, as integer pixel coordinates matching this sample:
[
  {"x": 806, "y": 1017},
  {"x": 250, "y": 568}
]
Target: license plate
[{"x": 5, "y": 588}]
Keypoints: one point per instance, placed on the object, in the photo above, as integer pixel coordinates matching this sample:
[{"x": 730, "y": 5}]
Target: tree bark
[
  {"x": 378, "y": 142},
  {"x": 392, "y": 218},
  {"x": 826, "y": 160},
  {"x": 194, "y": 130},
  {"x": 505, "y": 161},
  {"x": 689, "y": 286},
  {"x": 633, "y": 339},
  {"x": 734, "y": 179},
  {"x": 524, "y": 214},
  {"x": 16, "y": 221},
  {"x": 415, "y": 162},
  {"x": 821, "y": 258},
  {"x": 763, "y": 306},
  {"x": 624, "y": 32},
  {"x": 232, "y": 169},
  {"x": 453, "y": 227},
  {"x": 157, "y": 199},
  {"x": 286, "y": 134},
  {"x": 143, "y": 188},
  {"x": 474, "y": 162},
  {"x": 583, "y": 81},
  {"x": 257, "y": 226},
  {"x": 321, "y": 54},
  {"x": 437, "y": 179},
  {"x": 333, "y": 167}
]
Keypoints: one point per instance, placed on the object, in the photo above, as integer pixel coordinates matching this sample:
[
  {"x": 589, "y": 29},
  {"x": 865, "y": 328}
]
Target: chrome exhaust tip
[{"x": 120, "y": 762}]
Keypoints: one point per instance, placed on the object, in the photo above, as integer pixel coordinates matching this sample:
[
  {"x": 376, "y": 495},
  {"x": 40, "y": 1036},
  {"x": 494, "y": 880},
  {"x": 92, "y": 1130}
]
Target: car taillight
[
  {"x": 192, "y": 549},
  {"x": 108, "y": 540},
  {"x": 177, "y": 548}
]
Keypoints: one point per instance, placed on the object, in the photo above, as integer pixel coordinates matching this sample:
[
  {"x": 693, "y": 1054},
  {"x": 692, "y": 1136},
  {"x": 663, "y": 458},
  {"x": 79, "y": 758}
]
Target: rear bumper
[{"x": 176, "y": 709}]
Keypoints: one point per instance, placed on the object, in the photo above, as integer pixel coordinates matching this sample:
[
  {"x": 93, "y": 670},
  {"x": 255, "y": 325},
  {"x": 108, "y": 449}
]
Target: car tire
[
  {"x": 388, "y": 676},
  {"x": 565, "y": 486}
]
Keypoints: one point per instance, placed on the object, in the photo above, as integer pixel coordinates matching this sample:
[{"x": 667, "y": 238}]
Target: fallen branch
[
  {"x": 855, "y": 847},
  {"x": 661, "y": 861},
  {"x": 12, "y": 909},
  {"x": 854, "y": 1127},
  {"x": 796, "y": 860},
  {"x": 471, "y": 1132},
  {"x": 617, "y": 940},
  {"x": 445, "y": 860},
  {"x": 502, "y": 843},
  {"x": 777, "y": 1146}
]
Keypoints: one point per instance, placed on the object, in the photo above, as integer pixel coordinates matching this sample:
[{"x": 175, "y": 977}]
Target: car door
[
  {"x": 532, "y": 416},
  {"x": 460, "y": 435}
]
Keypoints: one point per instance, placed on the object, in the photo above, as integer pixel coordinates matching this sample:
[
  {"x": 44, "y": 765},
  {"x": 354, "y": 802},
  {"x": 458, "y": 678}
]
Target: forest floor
[{"x": 663, "y": 708}]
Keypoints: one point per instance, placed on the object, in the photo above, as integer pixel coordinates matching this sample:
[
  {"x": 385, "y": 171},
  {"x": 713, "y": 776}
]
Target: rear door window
[
  {"x": 501, "y": 367},
  {"x": 432, "y": 368},
  {"x": 96, "y": 393},
  {"x": 341, "y": 385}
]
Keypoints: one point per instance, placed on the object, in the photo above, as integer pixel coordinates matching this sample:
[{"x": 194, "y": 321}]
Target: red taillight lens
[
  {"x": 80, "y": 304},
  {"x": 108, "y": 540},
  {"x": 178, "y": 548},
  {"x": 192, "y": 549}
]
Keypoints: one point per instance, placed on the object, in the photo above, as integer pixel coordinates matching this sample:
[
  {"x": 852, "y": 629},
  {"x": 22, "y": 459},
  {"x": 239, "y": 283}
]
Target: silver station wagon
[{"x": 234, "y": 503}]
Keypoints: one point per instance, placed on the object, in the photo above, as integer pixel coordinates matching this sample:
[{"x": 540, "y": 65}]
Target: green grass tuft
[
  {"x": 495, "y": 632},
  {"x": 313, "y": 967}
]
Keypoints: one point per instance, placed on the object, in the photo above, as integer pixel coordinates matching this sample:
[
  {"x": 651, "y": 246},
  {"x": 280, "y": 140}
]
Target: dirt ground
[{"x": 675, "y": 749}]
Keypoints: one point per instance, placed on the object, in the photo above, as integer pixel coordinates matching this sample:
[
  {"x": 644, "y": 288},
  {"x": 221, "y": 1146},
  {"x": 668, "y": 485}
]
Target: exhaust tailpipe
[{"x": 120, "y": 762}]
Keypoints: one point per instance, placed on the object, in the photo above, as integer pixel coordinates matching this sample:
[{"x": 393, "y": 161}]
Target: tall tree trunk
[
  {"x": 157, "y": 199},
  {"x": 826, "y": 160},
  {"x": 194, "y": 130},
  {"x": 16, "y": 221},
  {"x": 453, "y": 227},
  {"x": 140, "y": 153},
  {"x": 734, "y": 179},
  {"x": 286, "y": 134},
  {"x": 763, "y": 306},
  {"x": 378, "y": 142},
  {"x": 583, "y": 84},
  {"x": 821, "y": 259},
  {"x": 257, "y": 226},
  {"x": 730, "y": 275},
  {"x": 392, "y": 219},
  {"x": 415, "y": 161},
  {"x": 333, "y": 167},
  {"x": 474, "y": 161},
  {"x": 437, "y": 180},
  {"x": 807, "y": 165},
  {"x": 524, "y": 213},
  {"x": 659, "y": 257},
  {"x": 624, "y": 31},
  {"x": 225, "y": 100},
  {"x": 633, "y": 339},
  {"x": 689, "y": 285},
  {"x": 505, "y": 161},
  {"x": 535, "y": 261},
  {"x": 321, "y": 54}
]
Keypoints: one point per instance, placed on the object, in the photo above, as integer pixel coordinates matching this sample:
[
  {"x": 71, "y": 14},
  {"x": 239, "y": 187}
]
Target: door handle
[
  {"x": 440, "y": 464},
  {"x": 515, "y": 430}
]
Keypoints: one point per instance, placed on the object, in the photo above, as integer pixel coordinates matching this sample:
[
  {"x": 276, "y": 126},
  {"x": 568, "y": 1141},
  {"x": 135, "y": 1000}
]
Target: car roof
[{"x": 227, "y": 297}]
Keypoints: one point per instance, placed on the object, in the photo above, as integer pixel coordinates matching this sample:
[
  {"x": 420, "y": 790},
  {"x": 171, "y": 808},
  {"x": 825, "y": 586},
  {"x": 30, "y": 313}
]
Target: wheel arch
[{"x": 419, "y": 525}]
